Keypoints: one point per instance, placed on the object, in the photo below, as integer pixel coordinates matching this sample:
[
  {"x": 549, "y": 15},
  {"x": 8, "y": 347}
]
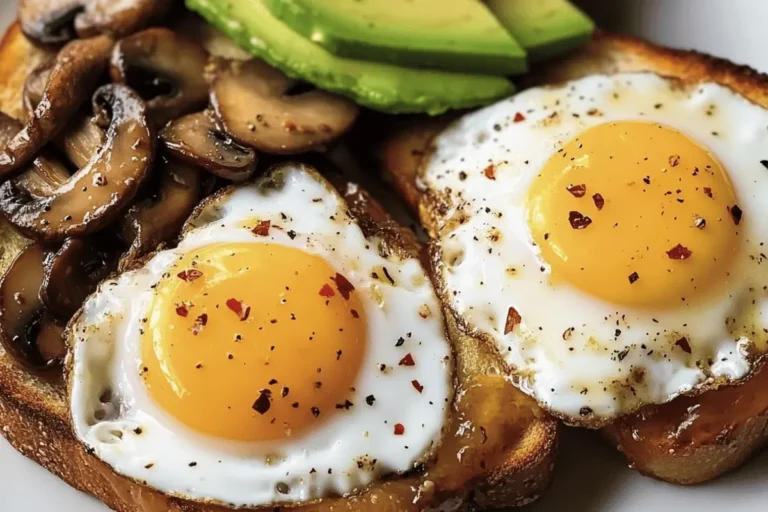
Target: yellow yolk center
[
  {"x": 252, "y": 341},
  {"x": 635, "y": 213}
]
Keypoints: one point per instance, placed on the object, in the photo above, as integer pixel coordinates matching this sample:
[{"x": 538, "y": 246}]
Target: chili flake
[
  {"x": 736, "y": 214},
  {"x": 343, "y": 285},
  {"x": 578, "y": 221},
  {"x": 577, "y": 190},
  {"x": 417, "y": 385},
  {"x": 490, "y": 172},
  {"x": 327, "y": 291},
  {"x": 708, "y": 191},
  {"x": 399, "y": 429},
  {"x": 684, "y": 345},
  {"x": 189, "y": 275},
  {"x": 599, "y": 201},
  {"x": 262, "y": 228},
  {"x": 285, "y": 391},
  {"x": 674, "y": 160},
  {"x": 513, "y": 320},
  {"x": 182, "y": 310},
  {"x": 633, "y": 277},
  {"x": 519, "y": 117},
  {"x": 264, "y": 402},
  {"x": 679, "y": 252},
  {"x": 407, "y": 360},
  {"x": 241, "y": 309},
  {"x": 200, "y": 322}
]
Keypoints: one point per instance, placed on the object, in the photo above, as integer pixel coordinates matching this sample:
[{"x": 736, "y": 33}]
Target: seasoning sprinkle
[
  {"x": 599, "y": 201},
  {"x": 407, "y": 360},
  {"x": 262, "y": 228},
  {"x": 679, "y": 252},
  {"x": 633, "y": 277},
  {"x": 577, "y": 190},
  {"x": 343, "y": 285},
  {"x": 578, "y": 221},
  {"x": 513, "y": 320},
  {"x": 264, "y": 402},
  {"x": 189, "y": 275}
]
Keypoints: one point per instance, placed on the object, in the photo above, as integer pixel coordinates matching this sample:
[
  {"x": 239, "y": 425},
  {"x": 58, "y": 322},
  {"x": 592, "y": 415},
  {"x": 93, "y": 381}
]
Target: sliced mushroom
[
  {"x": 159, "y": 218},
  {"x": 166, "y": 69},
  {"x": 80, "y": 140},
  {"x": 97, "y": 193},
  {"x": 253, "y": 102},
  {"x": 71, "y": 275},
  {"x": 34, "y": 87},
  {"x": 44, "y": 175},
  {"x": 75, "y": 73},
  {"x": 49, "y": 21},
  {"x": 119, "y": 18},
  {"x": 57, "y": 21},
  {"x": 26, "y": 331},
  {"x": 196, "y": 139}
]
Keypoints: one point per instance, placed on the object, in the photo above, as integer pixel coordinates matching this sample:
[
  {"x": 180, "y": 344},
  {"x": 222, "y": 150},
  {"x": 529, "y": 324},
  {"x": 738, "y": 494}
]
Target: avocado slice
[
  {"x": 461, "y": 36},
  {"x": 378, "y": 86},
  {"x": 545, "y": 28}
]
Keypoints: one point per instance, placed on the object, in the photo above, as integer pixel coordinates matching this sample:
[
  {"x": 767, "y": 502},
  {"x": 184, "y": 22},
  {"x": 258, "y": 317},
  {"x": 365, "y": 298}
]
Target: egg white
[
  {"x": 171, "y": 458},
  {"x": 615, "y": 358}
]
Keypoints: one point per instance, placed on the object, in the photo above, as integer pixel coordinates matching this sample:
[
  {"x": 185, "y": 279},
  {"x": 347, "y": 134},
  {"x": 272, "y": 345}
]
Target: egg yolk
[
  {"x": 252, "y": 341},
  {"x": 635, "y": 213}
]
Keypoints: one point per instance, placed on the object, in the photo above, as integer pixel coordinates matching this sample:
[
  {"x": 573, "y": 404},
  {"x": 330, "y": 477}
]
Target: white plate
[{"x": 589, "y": 476}]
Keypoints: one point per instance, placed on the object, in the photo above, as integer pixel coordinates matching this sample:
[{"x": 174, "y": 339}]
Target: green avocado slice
[
  {"x": 545, "y": 28},
  {"x": 383, "y": 87},
  {"x": 461, "y": 35}
]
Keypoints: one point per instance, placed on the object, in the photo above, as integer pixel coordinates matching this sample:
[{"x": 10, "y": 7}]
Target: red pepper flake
[
  {"x": 262, "y": 228},
  {"x": 679, "y": 252},
  {"x": 708, "y": 191},
  {"x": 577, "y": 190},
  {"x": 264, "y": 402},
  {"x": 407, "y": 360},
  {"x": 490, "y": 172},
  {"x": 684, "y": 345},
  {"x": 327, "y": 291},
  {"x": 399, "y": 429},
  {"x": 599, "y": 201},
  {"x": 354, "y": 313},
  {"x": 513, "y": 320},
  {"x": 519, "y": 118},
  {"x": 578, "y": 221},
  {"x": 633, "y": 277},
  {"x": 417, "y": 385},
  {"x": 343, "y": 285},
  {"x": 736, "y": 214},
  {"x": 200, "y": 322},
  {"x": 189, "y": 275},
  {"x": 182, "y": 310},
  {"x": 674, "y": 160},
  {"x": 241, "y": 309}
]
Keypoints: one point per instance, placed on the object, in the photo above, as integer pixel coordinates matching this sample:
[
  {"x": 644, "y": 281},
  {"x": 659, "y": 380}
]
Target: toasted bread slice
[
  {"x": 507, "y": 463},
  {"x": 691, "y": 439}
]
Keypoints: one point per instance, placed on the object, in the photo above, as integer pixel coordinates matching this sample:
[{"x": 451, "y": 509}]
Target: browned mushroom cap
[
  {"x": 98, "y": 192},
  {"x": 119, "y": 18},
  {"x": 26, "y": 331},
  {"x": 49, "y": 21},
  {"x": 57, "y": 21},
  {"x": 252, "y": 102},
  {"x": 159, "y": 218},
  {"x": 166, "y": 69},
  {"x": 44, "y": 175},
  {"x": 75, "y": 73},
  {"x": 196, "y": 139},
  {"x": 71, "y": 275}
]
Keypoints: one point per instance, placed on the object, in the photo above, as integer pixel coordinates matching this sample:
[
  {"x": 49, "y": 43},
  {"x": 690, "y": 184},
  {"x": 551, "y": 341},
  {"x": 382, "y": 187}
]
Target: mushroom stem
[
  {"x": 97, "y": 193},
  {"x": 158, "y": 219},
  {"x": 23, "y": 321},
  {"x": 166, "y": 69},
  {"x": 75, "y": 73}
]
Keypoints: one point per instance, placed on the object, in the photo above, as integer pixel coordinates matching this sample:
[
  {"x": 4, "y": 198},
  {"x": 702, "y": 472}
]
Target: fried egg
[
  {"x": 608, "y": 236},
  {"x": 275, "y": 355}
]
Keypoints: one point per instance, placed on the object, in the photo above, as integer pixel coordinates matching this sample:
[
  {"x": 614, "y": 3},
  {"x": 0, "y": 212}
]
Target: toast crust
[
  {"x": 719, "y": 440},
  {"x": 34, "y": 415}
]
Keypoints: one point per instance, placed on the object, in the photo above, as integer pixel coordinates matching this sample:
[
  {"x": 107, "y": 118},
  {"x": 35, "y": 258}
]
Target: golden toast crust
[
  {"x": 35, "y": 419},
  {"x": 655, "y": 454}
]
